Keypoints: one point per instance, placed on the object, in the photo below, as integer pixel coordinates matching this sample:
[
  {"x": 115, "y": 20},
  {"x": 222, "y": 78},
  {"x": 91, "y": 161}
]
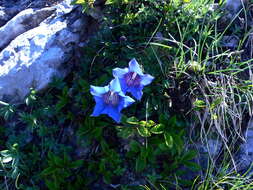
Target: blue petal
[
  {"x": 136, "y": 92},
  {"x": 146, "y": 79},
  {"x": 99, "y": 107},
  {"x": 135, "y": 67},
  {"x": 128, "y": 101},
  {"x": 117, "y": 72},
  {"x": 125, "y": 101},
  {"x": 115, "y": 85},
  {"x": 98, "y": 91},
  {"x": 123, "y": 85},
  {"x": 121, "y": 104},
  {"x": 113, "y": 113},
  {"x": 122, "y": 94}
]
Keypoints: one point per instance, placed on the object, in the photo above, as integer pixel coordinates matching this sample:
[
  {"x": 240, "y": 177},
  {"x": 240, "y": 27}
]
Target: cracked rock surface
[{"x": 35, "y": 46}]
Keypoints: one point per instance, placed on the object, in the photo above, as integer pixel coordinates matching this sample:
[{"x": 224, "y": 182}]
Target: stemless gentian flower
[
  {"x": 132, "y": 79},
  {"x": 110, "y": 100}
]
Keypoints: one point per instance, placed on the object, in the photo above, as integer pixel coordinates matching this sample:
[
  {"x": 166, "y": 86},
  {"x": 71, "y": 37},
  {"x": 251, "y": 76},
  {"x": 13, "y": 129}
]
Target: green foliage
[
  {"x": 10, "y": 162},
  {"x": 7, "y": 110},
  {"x": 61, "y": 147},
  {"x": 86, "y": 4},
  {"x": 151, "y": 141},
  {"x": 109, "y": 165},
  {"x": 59, "y": 170}
]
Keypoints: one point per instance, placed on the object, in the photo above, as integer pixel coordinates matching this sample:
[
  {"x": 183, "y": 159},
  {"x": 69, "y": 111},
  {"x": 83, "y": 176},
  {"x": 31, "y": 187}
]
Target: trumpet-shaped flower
[
  {"x": 110, "y": 100},
  {"x": 132, "y": 79}
]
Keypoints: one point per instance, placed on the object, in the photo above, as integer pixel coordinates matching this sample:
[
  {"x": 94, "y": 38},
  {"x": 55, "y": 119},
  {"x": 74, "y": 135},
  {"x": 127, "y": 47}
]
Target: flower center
[
  {"x": 111, "y": 98},
  {"x": 132, "y": 79}
]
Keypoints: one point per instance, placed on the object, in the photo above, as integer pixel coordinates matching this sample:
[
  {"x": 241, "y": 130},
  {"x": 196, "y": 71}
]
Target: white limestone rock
[
  {"x": 21, "y": 23},
  {"x": 32, "y": 58},
  {"x": 7, "y": 13}
]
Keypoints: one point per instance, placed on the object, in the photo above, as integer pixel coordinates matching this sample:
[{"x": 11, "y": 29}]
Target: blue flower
[
  {"x": 110, "y": 100},
  {"x": 132, "y": 79}
]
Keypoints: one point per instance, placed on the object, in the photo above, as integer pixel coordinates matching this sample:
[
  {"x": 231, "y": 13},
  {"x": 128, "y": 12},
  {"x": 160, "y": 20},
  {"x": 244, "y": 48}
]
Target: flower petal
[
  {"x": 146, "y": 79},
  {"x": 99, "y": 107},
  {"x": 128, "y": 101},
  {"x": 121, "y": 104},
  {"x": 136, "y": 92},
  {"x": 117, "y": 72},
  {"x": 125, "y": 101},
  {"x": 123, "y": 85},
  {"x": 98, "y": 91},
  {"x": 135, "y": 67},
  {"x": 115, "y": 85},
  {"x": 113, "y": 113}
]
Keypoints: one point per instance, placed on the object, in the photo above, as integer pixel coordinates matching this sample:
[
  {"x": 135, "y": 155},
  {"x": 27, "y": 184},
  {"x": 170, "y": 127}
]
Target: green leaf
[
  {"x": 144, "y": 152},
  {"x": 97, "y": 132},
  {"x": 163, "y": 147},
  {"x": 172, "y": 121},
  {"x": 216, "y": 102},
  {"x": 143, "y": 131},
  {"x": 15, "y": 173},
  {"x": 84, "y": 85},
  {"x": 5, "y": 153},
  {"x": 192, "y": 166},
  {"x": 132, "y": 121},
  {"x": 107, "y": 177},
  {"x": 140, "y": 164},
  {"x": 163, "y": 119},
  {"x": 178, "y": 142},
  {"x": 189, "y": 155},
  {"x": 168, "y": 140},
  {"x": 48, "y": 171},
  {"x": 157, "y": 129},
  {"x": 134, "y": 146},
  {"x": 80, "y": 1},
  {"x": 147, "y": 124},
  {"x": 7, "y": 159},
  {"x": 58, "y": 161},
  {"x": 76, "y": 164},
  {"x": 199, "y": 104},
  {"x": 150, "y": 123},
  {"x": 186, "y": 182},
  {"x": 104, "y": 146},
  {"x": 52, "y": 185},
  {"x": 125, "y": 132}
]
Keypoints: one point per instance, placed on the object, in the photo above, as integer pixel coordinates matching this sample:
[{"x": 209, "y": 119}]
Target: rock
[
  {"x": 244, "y": 156},
  {"x": 230, "y": 42},
  {"x": 21, "y": 23},
  {"x": 242, "y": 160},
  {"x": 209, "y": 150},
  {"x": 7, "y": 13},
  {"x": 23, "y": 4},
  {"x": 38, "y": 53},
  {"x": 234, "y": 6},
  {"x": 249, "y": 47},
  {"x": 212, "y": 149},
  {"x": 231, "y": 9},
  {"x": 9, "y": 8},
  {"x": 249, "y": 141},
  {"x": 206, "y": 151}
]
